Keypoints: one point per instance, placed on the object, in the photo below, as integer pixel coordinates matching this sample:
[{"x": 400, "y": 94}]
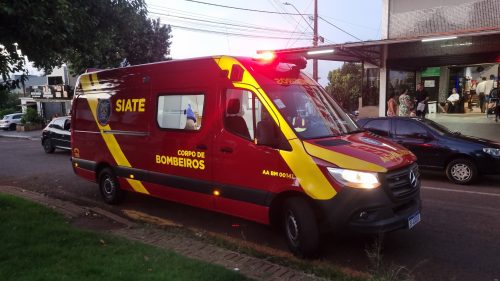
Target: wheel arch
[
  {"x": 461, "y": 156},
  {"x": 99, "y": 167},
  {"x": 276, "y": 207}
]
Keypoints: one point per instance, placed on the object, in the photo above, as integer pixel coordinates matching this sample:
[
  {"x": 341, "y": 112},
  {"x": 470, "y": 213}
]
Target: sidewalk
[
  {"x": 471, "y": 124},
  {"x": 30, "y": 135}
]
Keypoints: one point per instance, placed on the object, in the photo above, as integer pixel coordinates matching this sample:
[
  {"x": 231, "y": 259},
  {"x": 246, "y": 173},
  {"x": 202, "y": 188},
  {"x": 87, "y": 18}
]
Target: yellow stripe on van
[
  {"x": 348, "y": 162},
  {"x": 91, "y": 83},
  {"x": 310, "y": 177}
]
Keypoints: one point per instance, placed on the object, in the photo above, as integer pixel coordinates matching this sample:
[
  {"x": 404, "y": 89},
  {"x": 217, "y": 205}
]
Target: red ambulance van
[{"x": 252, "y": 138}]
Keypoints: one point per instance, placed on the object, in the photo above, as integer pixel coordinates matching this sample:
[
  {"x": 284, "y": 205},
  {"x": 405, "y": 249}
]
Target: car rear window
[{"x": 380, "y": 127}]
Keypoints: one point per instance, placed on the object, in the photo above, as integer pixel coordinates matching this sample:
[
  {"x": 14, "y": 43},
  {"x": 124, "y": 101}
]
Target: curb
[
  {"x": 249, "y": 266},
  {"x": 20, "y": 137}
]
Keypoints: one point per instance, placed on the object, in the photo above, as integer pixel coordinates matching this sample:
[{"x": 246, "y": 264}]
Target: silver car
[{"x": 10, "y": 121}]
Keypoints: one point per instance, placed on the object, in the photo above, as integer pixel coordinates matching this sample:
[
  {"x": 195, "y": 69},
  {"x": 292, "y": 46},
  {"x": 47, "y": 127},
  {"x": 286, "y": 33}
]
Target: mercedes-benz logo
[{"x": 413, "y": 179}]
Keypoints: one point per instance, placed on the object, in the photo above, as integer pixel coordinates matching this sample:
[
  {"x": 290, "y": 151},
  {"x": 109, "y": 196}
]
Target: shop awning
[{"x": 464, "y": 48}]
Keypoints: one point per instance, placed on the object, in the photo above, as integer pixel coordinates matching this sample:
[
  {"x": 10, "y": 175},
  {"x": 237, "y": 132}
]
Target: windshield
[{"x": 310, "y": 111}]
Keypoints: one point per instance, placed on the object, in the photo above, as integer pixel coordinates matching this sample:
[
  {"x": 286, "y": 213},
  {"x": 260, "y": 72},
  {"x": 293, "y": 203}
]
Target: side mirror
[{"x": 424, "y": 137}]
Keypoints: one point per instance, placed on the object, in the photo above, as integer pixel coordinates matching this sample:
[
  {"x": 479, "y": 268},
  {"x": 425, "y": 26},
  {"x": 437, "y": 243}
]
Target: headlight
[
  {"x": 492, "y": 151},
  {"x": 355, "y": 179}
]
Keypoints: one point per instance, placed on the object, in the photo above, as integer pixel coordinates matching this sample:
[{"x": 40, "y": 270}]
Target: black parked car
[
  {"x": 57, "y": 134},
  {"x": 463, "y": 158}
]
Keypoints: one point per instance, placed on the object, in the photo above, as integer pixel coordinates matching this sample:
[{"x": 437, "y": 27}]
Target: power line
[
  {"x": 200, "y": 16},
  {"x": 233, "y": 34},
  {"x": 339, "y": 28},
  {"x": 244, "y": 9},
  {"x": 230, "y": 24}
]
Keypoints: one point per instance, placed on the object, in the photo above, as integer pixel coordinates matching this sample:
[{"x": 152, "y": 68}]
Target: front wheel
[
  {"x": 110, "y": 188},
  {"x": 47, "y": 146},
  {"x": 300, "y": 227},
  {"x": 461, "y": 171}
]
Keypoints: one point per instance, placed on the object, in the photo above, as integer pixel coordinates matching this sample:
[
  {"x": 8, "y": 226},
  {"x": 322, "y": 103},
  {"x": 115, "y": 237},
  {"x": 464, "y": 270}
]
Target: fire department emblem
[{"x": 103, "y": 111}]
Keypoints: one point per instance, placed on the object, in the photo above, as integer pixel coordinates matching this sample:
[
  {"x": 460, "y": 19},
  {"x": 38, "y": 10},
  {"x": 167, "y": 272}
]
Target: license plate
[{"x": 413, "y": 220}]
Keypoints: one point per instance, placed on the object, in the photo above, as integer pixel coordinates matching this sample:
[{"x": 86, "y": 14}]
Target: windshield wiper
[{"x": 356, "y": 131}]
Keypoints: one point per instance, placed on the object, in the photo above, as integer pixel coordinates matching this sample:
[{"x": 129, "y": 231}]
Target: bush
[
  {"x": 31, "y": 116},
  {"x": 6, "y": 111}
]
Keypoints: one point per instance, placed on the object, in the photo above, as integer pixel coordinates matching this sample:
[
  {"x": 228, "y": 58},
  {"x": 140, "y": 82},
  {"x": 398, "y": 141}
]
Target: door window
[
  {"x": 242, "y": 112},
  {"x": 379, "y": 127},
  {"x": 409, "y": 129},
  {"x": 182, "y": 112}
]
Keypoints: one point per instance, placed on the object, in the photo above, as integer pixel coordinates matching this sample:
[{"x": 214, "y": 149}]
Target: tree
[
  {"x": 82, "y": 33},
  {"x": 9, "y": 103},
  {"x": 344, "y": 85}
]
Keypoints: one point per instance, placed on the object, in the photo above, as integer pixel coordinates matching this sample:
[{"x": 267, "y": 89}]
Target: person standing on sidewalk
[
  {"x": 480, "y": 93},
  {"x": 392, "y": 106},
  {"x": 421, "y": 98},
  {"x": 488, "y": 86},
  {"x": 405, "y": 104}
]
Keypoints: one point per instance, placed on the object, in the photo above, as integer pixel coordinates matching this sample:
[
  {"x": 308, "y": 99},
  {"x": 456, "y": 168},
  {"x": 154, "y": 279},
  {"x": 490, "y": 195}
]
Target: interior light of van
[
  {"x": 439, "y": 38},
  {"x": 319, "y": 52},
  {"x": 355, "y": 179},
  {"x": 266, "y": 56}
]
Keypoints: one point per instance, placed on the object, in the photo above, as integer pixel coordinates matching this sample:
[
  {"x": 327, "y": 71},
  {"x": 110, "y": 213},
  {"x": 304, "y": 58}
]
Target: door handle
[
  {"x": 226, "y": 149},
  {"x": 201, "y": 147}
]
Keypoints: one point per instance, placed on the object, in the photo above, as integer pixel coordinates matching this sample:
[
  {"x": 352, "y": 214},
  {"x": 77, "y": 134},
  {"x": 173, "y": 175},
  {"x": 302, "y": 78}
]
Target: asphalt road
[{"x": 457, "y": 239}]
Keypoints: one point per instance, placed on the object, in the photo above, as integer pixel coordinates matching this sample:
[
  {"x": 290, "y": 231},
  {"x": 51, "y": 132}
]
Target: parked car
[
  {"x": 10, "y": 121},
  {"x": 462, "y": 158},
  {"x": 57, "y": 134}
]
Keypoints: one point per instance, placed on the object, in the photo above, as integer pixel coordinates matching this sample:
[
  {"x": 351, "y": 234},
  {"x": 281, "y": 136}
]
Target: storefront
[{"x": 49, "y": 101}]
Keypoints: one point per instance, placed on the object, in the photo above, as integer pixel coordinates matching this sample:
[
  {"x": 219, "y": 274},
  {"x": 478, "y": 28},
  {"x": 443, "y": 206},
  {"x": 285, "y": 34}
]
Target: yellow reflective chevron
[
  {"x": 348, "y": 162},
  {"x": 310, "y": 177},
  {"x": 89, "y": 83}
]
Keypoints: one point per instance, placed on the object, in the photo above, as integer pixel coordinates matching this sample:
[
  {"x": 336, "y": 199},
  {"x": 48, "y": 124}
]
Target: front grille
[{"x": 401, "y": 183}]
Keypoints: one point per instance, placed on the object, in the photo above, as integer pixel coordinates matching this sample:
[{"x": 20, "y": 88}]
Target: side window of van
[
  {"x": 240, "y": 117},
  {"x": 182, "y": 112}
]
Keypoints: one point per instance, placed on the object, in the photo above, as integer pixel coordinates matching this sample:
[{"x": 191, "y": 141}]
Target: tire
[
  {"x": 300, "y": 228},
  {"x": 12, "y": 127},
  {"x": 47, "y": 146},
  {"x": 110, "y": 188},
  {"x": 461, "y": 171}
]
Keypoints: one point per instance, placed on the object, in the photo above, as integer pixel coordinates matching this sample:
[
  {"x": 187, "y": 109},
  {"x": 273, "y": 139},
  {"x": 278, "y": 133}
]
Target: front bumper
[
  {"x": 382, "y": 209},
  {"x": 488, "y": 165}
]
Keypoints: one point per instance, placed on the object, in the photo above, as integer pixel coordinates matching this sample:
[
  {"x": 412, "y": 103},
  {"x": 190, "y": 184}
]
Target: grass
[{"x": 39, "y": 244}]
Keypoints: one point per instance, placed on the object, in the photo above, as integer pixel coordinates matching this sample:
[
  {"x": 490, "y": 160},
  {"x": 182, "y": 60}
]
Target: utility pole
[{"x": 315, "y": 40}]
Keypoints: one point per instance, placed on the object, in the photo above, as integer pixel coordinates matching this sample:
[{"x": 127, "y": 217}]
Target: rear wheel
[
  {"x": 300, "y": 227},
  {"x": 47, "y": 146},
  {"x": 461, "y": 171},
  {"x": 109, "y": 187}
]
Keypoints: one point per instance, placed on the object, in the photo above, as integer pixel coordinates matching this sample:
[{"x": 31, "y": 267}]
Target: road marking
[{"x": 460, "y": 191}]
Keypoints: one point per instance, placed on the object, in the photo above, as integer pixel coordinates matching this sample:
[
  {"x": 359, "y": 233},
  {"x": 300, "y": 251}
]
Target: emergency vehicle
[{"x": 249, "y": 137}]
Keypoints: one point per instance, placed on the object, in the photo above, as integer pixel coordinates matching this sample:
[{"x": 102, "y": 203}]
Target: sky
[{"x": 201, "y": 29}]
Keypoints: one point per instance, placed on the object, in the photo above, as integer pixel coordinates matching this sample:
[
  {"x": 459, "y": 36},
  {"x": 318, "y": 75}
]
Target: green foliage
[
  {"x": 31, "y": 116},
  {"x": 9, "y": 103},
  {"x": 8, "y": 99},
  {"x": 344, "y": 85},
  {"x": 38, "y": 244},
  {"x": 83, "y": 33}
]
